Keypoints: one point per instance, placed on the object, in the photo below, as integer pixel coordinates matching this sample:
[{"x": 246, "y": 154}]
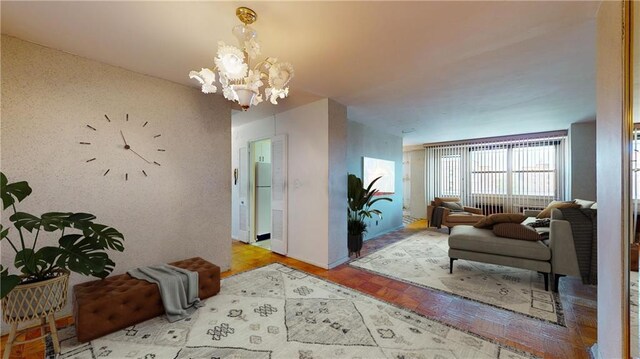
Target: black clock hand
[
  {"x": 137, "y": 154},
  {"x": 126, "y": 145}
]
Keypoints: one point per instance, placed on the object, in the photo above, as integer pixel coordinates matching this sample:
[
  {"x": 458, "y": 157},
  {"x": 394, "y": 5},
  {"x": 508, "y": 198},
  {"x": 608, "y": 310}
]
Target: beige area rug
[
  {"x": 422, "y": 260},
  {"x": 278, "y": 312}
]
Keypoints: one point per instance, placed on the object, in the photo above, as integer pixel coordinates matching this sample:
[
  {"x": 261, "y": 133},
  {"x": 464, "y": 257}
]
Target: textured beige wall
[{"x": 181, "y": 210}]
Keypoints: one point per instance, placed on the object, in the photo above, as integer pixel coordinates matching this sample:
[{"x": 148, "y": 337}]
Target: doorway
[{"x": 260, "y": 189}]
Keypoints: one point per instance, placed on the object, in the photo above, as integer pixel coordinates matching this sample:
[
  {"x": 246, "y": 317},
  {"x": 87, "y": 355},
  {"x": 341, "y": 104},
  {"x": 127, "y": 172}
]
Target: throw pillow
[
  {"x": 453, "y": 206},
  {"x": 516, "y": 231},
  {"x": 438, "y": 201},
  {"x": 584, "y": 203},
  {"x": 546, "y": 213},
  {"x": 489, "y": 221}
]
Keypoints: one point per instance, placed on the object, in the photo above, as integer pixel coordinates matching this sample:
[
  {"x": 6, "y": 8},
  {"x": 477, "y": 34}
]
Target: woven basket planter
[{"x": 36, "y": 300}]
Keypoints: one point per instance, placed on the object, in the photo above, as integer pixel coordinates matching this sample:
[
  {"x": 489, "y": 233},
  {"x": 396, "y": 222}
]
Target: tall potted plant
[
  {"x": 360, "y": 201},
  {"x": 40, "y": 289}
]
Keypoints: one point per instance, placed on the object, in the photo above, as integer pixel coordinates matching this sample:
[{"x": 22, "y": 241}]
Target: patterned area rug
[
  {"x": 422, "y": 260},
  {"x": 278, "y": 312}
]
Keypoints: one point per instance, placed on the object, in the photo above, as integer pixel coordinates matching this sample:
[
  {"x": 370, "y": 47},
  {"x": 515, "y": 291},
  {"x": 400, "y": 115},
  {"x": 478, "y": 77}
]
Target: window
[
  {"x": 450, "y": 175},
  {"x": 514, "y": 170},
  {"x": 503, "y": 175},
  {"x": 488, "y": 169},
  {"x": 533, "y": 170}
]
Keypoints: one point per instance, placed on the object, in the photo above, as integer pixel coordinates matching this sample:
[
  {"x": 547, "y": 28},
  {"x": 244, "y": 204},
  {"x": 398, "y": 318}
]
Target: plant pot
[
  {"x": 354, "y": 243},
  {"x": 36, "y": 299}
]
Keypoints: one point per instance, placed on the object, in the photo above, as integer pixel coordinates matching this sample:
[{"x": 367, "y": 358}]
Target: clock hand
[
  {"x": 137, "y": 154},
  {"x": 126, "y": 145}
]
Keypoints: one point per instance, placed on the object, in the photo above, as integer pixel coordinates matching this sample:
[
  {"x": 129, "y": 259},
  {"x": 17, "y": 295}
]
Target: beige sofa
[
  {"x": 555, "y": 256},
  {"x": 469, "y": 215}
]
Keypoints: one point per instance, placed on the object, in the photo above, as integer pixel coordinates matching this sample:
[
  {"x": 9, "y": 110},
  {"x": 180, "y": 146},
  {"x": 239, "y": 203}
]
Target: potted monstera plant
[
  {"x": 69, "y": 242},
  {"x": 360, "y": 201}
]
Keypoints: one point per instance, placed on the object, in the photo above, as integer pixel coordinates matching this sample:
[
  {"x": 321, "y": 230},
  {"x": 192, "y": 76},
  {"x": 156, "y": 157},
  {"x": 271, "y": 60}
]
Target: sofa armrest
[
  {"x": 531, "y": 212},
  {"x": 473, "y": 210},
  {"x": 563, "y": 251},
  {"x": 556, "y": 214},
  {"x": 445, "y": 212}
]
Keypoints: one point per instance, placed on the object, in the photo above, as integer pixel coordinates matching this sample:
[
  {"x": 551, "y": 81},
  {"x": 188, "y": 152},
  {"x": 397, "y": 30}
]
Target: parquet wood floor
[{"x": 541, "y": 338}]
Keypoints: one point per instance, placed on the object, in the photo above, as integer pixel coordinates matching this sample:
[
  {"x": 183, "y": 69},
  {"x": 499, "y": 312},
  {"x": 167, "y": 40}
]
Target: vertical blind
[{"x": 499, "y": 176}]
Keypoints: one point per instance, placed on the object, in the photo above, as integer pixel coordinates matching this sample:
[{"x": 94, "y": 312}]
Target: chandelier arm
[{"x": 265, "y": 61}]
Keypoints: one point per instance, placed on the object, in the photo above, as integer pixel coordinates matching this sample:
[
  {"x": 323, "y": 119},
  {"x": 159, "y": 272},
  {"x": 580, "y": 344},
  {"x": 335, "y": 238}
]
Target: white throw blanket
[{"x": 178, "y": 288}]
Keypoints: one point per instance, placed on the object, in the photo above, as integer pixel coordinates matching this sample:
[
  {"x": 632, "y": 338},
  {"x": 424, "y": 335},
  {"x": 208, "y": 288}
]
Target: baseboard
[
  {"x": 594, "y": 352},
  {"x": 323, "y": 266},
  {"x": 385, "y": 232},
  {"x": 338, "y": 262}
]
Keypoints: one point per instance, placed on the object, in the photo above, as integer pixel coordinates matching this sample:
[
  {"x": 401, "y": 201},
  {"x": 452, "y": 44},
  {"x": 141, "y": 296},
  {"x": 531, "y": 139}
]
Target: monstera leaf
[
  {"x": 105, "y": 236},
  {"x": 81, "y": 255},
  {"x": 30, "y": 262},
  {"x": 10, "y": 192},
  {"x": 7, "y": 281},
  {"x": 83, "y": 249},
  {"x": 3, "y": 232},
  {"x": 52, "y": 221},
  {"x": 25, "y": 220}
]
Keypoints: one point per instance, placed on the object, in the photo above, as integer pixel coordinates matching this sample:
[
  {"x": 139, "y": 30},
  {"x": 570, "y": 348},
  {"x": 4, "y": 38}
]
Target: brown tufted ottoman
[{"x": 103, "y": 306}]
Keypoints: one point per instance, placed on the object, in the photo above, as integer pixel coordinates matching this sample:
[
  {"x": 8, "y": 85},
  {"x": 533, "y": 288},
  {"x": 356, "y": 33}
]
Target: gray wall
[
  {"x": 365, "y": 141},
  {"x": 316, "y": 174},
  {"x": 582, "y": 154},
  {"x": 338, "y": 252},
  {"x": 181, "y": 210}
]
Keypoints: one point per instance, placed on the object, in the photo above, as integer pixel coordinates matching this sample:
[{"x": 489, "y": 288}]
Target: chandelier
[{"x": 240, "y": 81}]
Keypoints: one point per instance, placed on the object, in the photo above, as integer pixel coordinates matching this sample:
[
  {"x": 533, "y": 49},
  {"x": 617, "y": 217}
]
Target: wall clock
[{"x": 131, "y": 142}]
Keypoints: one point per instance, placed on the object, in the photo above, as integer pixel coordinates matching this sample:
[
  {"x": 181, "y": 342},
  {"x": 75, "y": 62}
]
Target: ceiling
[{"x": 438, "y": 70}]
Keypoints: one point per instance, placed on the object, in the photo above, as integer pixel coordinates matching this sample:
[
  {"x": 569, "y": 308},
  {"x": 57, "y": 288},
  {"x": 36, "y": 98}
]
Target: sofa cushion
[
  {"x": 584, "y": 203},
  {"x": 489, "y": 221},
  {"x": 453, "y": 206},
  {"x": 438, "y": 200},
  {"x": 482, "y": 240},
  {"x": 516, "y": 231},
  {"x": 464, "y": 217},
  {"x": 546, "y": 213}
]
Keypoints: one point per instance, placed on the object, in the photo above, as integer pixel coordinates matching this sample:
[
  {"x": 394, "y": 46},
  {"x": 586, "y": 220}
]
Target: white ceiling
[{"x": 448, "y": 70}]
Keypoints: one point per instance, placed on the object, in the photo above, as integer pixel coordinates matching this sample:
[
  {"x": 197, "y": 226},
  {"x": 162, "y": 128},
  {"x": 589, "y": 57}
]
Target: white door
[
  {"x": 243, "y": 194},
  {"x": 279, "y": 194}
]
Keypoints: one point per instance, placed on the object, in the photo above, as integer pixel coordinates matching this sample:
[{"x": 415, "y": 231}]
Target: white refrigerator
[{"x": 263, "y": 200}]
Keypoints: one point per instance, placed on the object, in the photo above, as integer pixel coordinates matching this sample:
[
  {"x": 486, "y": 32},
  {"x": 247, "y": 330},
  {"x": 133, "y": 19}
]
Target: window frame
[{"x": 509, "y": 190}]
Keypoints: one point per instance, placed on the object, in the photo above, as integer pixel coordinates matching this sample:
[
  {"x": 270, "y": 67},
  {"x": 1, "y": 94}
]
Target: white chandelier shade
[{"x": 241, "y": 82}]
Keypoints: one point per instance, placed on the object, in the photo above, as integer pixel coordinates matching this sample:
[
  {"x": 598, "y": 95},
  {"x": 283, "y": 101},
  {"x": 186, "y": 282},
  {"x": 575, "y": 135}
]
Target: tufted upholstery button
[{"x": 138, "y": 300}]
